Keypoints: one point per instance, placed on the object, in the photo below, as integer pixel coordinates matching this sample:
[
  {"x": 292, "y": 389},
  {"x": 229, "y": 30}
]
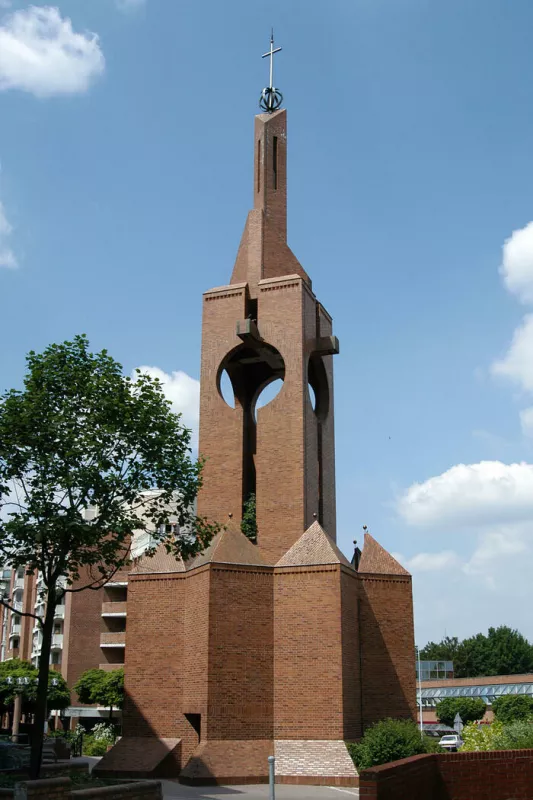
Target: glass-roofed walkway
[{"x": 502, "y": 685}]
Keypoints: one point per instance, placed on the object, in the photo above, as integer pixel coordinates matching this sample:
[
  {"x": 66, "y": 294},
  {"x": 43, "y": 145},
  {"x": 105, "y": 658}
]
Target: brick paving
[{"x": 313, "y": 758}]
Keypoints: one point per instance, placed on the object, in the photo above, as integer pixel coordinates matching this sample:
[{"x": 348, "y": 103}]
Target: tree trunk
[
  {"x": 16, "y": 719},
  {"x": 39, "y": 718}
]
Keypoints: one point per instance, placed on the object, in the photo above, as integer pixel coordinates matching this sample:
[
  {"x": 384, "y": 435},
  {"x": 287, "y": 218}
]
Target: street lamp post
[{"x": 419, "y": 689}]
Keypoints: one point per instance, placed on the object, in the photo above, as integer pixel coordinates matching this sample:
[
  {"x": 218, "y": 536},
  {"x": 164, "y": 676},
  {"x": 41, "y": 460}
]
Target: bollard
[{"x": 271, "y": 778}]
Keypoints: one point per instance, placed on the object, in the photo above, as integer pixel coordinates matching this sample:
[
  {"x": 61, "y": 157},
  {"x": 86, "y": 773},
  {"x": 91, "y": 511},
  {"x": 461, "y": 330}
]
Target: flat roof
[{"x": 488, "y": 680}]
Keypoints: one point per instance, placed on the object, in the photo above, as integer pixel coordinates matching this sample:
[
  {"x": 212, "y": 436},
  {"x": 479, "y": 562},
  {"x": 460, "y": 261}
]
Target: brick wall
[
  {"x": 308, "y": 699},
  {"x": 414, "y": 778},
  {"x": 221, "y": 427},
  {"x": 81, "y": 649},
  {"x": 154, "y": 642},
  {"x": 46, "y": 789},
  {"x": 490, "y": 776},
  {"x": 452, "y": 776},
  {"x": 352, "y": 690},
  {"x": 387, "y": 648},
  {"x": 240, "y": 674}
]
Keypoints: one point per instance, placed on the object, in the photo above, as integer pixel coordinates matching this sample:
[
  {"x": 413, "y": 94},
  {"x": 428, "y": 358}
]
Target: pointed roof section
[
  {"x": 375, "y": 559},
  {"x": 229, "y": 546},
  {"x": 313, "y": 548},
  {"x": 161, "y": 561}
]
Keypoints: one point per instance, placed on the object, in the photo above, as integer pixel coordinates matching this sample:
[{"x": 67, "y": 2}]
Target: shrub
[
  {"x": 515, "y": 736},
  {"x": 481, "y": 737},
  {"x": 513, "y": 707},
  {"x": 103, "y": 733},
  {"x": 389, "y": 740},
  {"x": 469, "y": 709},
  {"x": 94, "y": 747}
]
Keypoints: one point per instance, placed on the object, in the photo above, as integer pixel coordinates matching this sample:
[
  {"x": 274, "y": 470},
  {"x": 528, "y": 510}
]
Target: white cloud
[
  {"x": 430, "y": 562},
  {"x": 183, "y": 392},
  {"x": 517, "y": 264},
  {"x": 471, "y": 494},
  {"x": 40, "y": 53},
  {"x": 517, "y": 363},
  {"x": 7, "y": 256}
]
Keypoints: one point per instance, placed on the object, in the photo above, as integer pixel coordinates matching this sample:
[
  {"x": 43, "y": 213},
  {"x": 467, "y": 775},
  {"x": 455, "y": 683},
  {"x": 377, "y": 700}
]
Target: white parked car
[{"x": 452, "y": 741}]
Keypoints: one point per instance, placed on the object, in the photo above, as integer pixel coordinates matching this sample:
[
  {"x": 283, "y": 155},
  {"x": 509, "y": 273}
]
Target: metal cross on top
[{"x": 271, "y": 98}]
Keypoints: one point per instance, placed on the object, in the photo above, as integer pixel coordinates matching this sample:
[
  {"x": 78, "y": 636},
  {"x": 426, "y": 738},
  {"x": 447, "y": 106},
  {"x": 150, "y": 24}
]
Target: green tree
[
  {"x": 513, "y": 707},
  {"x": 508, "y": 652},
  {"x": 20, "y": 677},
  {"x": 441, "y": 651},
  {"x": 469, "y": 709},
  {"x": 503, "y": 651},
  {"x": 389, "y": 740},
  {"x": 81, "y": 436},
  {"x": 104, "y": 688},
  {"x": 249, "y": 519}
]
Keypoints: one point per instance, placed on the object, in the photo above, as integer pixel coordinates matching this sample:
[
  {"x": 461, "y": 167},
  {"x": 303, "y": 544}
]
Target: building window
[
  {"x": 275, "y": 161},
  {"x": 57, "y": 627},
  {"x": 15, "y": 644},
  {"x": 56, "y": 658}
]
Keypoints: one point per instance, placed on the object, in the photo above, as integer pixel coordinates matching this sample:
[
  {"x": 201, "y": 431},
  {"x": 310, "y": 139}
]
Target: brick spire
[{"x": 263, "y": 252}]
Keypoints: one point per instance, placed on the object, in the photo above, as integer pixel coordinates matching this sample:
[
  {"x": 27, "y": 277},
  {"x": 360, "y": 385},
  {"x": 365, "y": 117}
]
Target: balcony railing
[
  {"x": 57, "y": 640},
  {"x": 15, "y": 630},
  {"x": 19, "y": 582},
  {"x": 113, "y": 639},
  {"x": 113, "y": 609},
  {"x": 59, "y": 613}
]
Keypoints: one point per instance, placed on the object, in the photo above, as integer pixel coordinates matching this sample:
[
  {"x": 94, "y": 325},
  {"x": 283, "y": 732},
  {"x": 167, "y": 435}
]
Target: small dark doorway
[{"x": 195, "y": 720}]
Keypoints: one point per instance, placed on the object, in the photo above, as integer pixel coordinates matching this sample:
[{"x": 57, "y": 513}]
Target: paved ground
[
  {"x": 173, "y": 790},
  {"x": 260, "y": 792}
]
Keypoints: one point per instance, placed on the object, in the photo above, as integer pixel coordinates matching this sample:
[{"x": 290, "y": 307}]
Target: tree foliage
[
  {"x": 517, "y": 735},
  {"x": 513, "y": 707},
  {"x": 502, "y": 651},
  {"x": 58, "y": 695},
  {"x": 481, "y": 737},
  {"x": 469, "y": 709},
  {"x": 389, "y": 740},
  {"x": 249, "y": 519},
  {"x": 99, "y": 686},
  {"x": 81, "y": 436}
]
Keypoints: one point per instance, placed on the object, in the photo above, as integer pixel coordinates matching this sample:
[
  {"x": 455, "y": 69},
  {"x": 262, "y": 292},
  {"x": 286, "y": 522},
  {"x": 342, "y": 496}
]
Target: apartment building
[{"x": 89, "y": 626}]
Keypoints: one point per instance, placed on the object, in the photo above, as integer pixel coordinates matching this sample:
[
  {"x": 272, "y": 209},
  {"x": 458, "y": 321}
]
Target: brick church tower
[{"x": 283, "y": 647}]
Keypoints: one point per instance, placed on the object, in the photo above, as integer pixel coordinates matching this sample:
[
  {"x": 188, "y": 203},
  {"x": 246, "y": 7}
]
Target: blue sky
[{"x": 125, "y": 152}]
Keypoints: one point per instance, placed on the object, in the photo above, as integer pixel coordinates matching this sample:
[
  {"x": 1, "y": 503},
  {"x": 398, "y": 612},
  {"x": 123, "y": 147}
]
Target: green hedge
[{"x": 390, "y": 740}]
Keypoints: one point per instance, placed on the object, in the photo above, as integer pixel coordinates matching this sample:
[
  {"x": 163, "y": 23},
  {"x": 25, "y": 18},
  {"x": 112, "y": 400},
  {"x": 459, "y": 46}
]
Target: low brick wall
[
  {"x": 61, "y": 789},
  {"x": 497, "y": 775},
  {"x": 45, "y": 789},
  {"x": 416, "y": 778}
]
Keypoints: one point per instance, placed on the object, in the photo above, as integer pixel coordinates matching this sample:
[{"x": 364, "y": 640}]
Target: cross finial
[{"x": 271, "y": 99}]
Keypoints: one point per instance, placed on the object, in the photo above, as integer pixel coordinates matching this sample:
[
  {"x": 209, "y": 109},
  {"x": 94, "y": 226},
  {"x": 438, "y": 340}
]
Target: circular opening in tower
[
  {"x": 251, "y": 376},
  {"x": 226, "y": 389},
  {"x": 312, "y": 396},
  {"x": 318, "y": 386},
  {"x": 270, "y": 391}
]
